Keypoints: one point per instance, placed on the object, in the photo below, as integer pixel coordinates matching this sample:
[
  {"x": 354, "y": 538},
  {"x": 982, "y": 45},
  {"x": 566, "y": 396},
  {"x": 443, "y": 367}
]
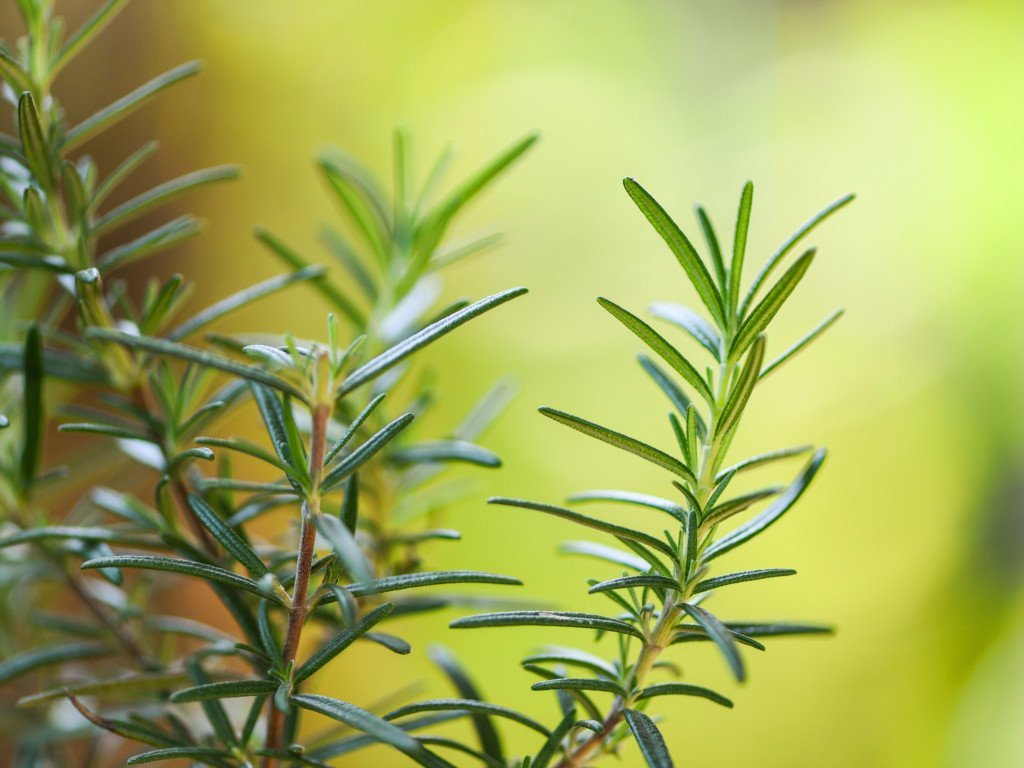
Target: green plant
[
  {"x": 141, "y": 382},
  {"x": 658, "y": 595},
  {"x": 344, "y": 480}
]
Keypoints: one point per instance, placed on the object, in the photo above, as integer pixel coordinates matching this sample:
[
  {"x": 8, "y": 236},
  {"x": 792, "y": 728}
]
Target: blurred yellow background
[{"x": 912, "y": 540}]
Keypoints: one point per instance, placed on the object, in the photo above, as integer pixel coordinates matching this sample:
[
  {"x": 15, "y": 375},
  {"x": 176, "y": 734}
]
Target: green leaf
[
  {"x": 194, "y": 355},
  {"x": 727, "y": 509},
  {"x": 547, "y": 619},
  {"x": 92, "y": 27},
  {"x": 629, "y": 582},
  {"x": 241, "y": 299},
  {"x": 762, "y": 458},
  {"x": 320, "y": 281},
  {"x": 373, "y": 726},
  {"x": 335, "y": 645},
  {"x": 553, "y": 744},
  {"x": 87, "y": 533},
  {"x": 627, "y": 497},
  {"x": 721, "y": 637},
  {"x": 739, "y": 577},
  {"x": 346, "y": 548},
  {"x": 486, "y": 734},
  {"x": 714, "y": 249},
  {"x": 778, "y": 629},
  {"x": 127, "y": 104},
  {"x": 814, "y": 333},
  {"x": 151, "y": 243},
  {"x": 471, "y": 706},
  {"x": 589, "y": 522},
  {"x": 230, "y": 689},
  {"x": 32, "y": 410},
  {"x": 696, "y": 326},
  {"x": 373, "y": 368},
  {"x": 362, "y": 202},
  {"x": 37, "y": 658},
  {"x": 739, "y": 247},
  {"x": 433, "y": 226},
  {"x": 122, "y": 171},
  {"x": 33, "y": 142},
  {"x": 647, "y": 735},
  {"x": 684, "y": 251},
  {"x": 606, "y": 553},
  {"x": 14, "y": 74},
  {"x": 236, "y": 546},
  {"x": 621, "y": 441},
  {"x": 365, "y": 452},
  {"x": 740, "y": 394},
  {"x": 676, "y": 395},
  {"x": 427, "y": 579},
  {"x": 682, "y": 689},
  {"x": 132, "y": 685},
  {"x": 579, "y": 684},
  {"x": 179, "y": 753},
  {"x": 353, "y": 426},
  {"x": 769, "y": 306},
  {"x": 247, "y": 448},
  {"x": 186, "y": 567},
  {"x": 662, "y": 348},
  {"x": 561, "y": 655},
  {"x": 158, "y": 195},
  {"x": 777, "y": 257},
  {"x": 445, "y": 451},
  {"x": 773, "y": 512}
]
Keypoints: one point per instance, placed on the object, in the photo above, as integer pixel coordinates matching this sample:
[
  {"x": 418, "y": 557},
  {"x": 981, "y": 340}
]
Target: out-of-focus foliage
[{"x": 914, "y": 105}]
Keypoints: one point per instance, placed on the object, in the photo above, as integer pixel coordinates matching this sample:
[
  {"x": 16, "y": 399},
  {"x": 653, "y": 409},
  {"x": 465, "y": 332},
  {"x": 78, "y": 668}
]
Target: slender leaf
[
  {"x": 127, "y": 104},
  {"x": 194, "y": 355},
  {"x": 696, "y": 326},
  {"x": 628, "y": 497},
  {"x": 472, "y": 706},
  {"x": 180, "y": 753},
  {"x": 589, "y": 522},
  {"x": 676, "y": 395},
  {"x": 547, "y": 619},
  {"x": 684, "y": 251},
  {"x": 335, "y": 645},
  {"x": 241, "y": 299},
  {"x": 33, "y": 142},
  {"x": 579, "y": 684},
  {"x": 814, "y": 333},
  {"x": 373, "y": 368},
  {"x": 373, "y": 726},
  {"x": 771, "y": 513},
  {"x": 630, "y": 582},
  {"x": 186, "y": 567},
  {"x": 228, "y": 537},
  {"x": 649, "y": 738},
  {"x": 486, "y": 733},
  {"x": 739, "y": 577},
  {"x": 427, "y": 579},
  {"x": 777, "y": 257},
  {"x": 366, "y": 451},
  {"x": 621, "y": 441},
  {"x": 446, "y": 451},
  {"x": 682, "y": 689},
  {"x": 346, "y": 548},
  {"x": 661, "y": 347},
  {"x": 769, "y": 306},
  {"x": 230, "y": 689},
  {"x": 33, "y": 410},
  {"x": 739, "y": 247},
  {"x": 38, "y": 658},
  {"x": 721, "y": 637},
  {"x": 158, "y": 195}
]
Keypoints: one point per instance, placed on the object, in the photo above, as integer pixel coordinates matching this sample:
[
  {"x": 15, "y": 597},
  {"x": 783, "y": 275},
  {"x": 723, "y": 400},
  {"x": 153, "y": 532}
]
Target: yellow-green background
[{"x": 911, "y": 542}]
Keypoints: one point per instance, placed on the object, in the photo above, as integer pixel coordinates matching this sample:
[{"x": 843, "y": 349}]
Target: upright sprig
[{"x": 659, "y": 594}]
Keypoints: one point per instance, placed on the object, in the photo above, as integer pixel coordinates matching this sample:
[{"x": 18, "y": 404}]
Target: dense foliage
[{"x": 347, "y": 484}]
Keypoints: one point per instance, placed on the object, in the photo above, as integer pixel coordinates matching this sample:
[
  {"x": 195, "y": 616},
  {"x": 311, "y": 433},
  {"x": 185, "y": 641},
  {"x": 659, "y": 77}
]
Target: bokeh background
[{"x": 912, "y": 541}]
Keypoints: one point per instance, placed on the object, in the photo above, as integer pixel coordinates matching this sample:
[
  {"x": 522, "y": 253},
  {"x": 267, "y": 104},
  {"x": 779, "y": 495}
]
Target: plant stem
[{"x": 303, "y": 565}]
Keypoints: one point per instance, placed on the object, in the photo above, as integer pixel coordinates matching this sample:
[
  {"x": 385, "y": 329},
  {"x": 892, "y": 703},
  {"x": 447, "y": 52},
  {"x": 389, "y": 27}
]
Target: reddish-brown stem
[{"x": 303, "y": 566}]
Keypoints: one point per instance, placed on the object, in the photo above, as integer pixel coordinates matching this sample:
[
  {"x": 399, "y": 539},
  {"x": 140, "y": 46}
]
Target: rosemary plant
[
  {"x": 658, "y": 596},
  {"x": 148, "y": 387}
]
